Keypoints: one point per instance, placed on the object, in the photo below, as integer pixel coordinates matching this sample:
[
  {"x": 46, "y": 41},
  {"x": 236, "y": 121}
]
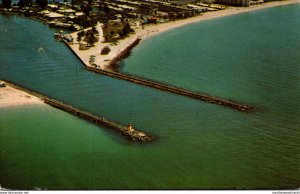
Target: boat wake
[{"x": 41, "y": 50}]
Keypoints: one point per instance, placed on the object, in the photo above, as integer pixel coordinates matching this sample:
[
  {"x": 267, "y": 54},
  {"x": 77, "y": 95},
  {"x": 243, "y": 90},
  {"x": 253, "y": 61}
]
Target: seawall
[
  {"x": 131, "y": 133},
  {"x": 123, "y": 54}
]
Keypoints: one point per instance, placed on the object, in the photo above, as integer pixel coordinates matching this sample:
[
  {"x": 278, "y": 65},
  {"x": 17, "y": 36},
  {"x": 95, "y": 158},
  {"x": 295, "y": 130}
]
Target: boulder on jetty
[{"x": 137, "y": 135}]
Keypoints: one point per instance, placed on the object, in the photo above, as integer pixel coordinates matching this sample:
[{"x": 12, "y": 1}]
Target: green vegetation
[
  {"x": 90, "y": 36},
  {"x": 125, "y": 30},
  {"x": 91, "y": 39},
  {"x": 80, "y": 35},
  {"x": 6, "y": 3},
  {"x": 23, "y": 3},
  {"x": 116, "y": 30},
  {"x": 85, "y": 21},
  {"x": 42, "y": 3},
  {"x": 105, "y": 50}
]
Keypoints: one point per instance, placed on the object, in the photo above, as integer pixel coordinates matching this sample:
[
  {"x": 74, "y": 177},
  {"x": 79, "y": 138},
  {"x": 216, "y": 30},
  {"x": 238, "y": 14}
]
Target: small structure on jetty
[
  {"x": 130, "y": 128},
  {"x": 137, "y": 135},
  {"x": 132, "y": 134},
  {"x": 128, "y": 131}
]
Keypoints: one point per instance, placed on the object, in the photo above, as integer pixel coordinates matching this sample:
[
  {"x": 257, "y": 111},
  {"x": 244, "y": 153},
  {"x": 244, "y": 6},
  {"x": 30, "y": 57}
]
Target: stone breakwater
[
  {"x": 123, "y": 54},
  {"x": 128, "y": 131},
  {"x": 175, "y": 90}
]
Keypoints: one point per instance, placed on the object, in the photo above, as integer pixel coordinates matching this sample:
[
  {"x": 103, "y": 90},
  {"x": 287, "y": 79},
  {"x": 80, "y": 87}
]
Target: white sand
[
  {"x": 10, "y": 97},
  {"x": 103, "y": 60}
]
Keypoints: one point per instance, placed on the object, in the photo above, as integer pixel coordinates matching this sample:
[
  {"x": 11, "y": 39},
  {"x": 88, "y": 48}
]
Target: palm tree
[{"x": 91, "y": 39}]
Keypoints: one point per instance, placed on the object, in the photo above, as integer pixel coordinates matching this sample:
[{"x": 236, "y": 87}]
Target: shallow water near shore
[{"x": 201, "y": 145}]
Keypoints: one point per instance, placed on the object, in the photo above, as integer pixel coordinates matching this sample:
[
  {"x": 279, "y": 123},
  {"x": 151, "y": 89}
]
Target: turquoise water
[{"x": 200, "y": 145}]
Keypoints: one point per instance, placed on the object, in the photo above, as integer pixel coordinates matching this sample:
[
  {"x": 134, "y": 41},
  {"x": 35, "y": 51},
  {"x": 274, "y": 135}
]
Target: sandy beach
[
  {"x": 103, "y": 61},
  {"x": 10, "y": 97}
]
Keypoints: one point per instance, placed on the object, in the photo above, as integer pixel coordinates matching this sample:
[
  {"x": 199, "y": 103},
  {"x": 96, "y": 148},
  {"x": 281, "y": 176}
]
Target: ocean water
[{"x": 252, "y": 57}]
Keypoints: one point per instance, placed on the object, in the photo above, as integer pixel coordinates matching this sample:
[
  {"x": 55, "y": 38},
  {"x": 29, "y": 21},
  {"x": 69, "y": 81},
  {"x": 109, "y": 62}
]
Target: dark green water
[{"x": 252, "y": 57}]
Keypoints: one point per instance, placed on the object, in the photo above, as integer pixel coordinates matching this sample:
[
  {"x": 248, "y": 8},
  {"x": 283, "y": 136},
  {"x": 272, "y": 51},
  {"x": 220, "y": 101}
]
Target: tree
[
  {"x": 42, "y": 3},
  {"x": 85, "y": 8},
  {"x": 23, "y": 3},
  {"x": 94, "y": 30},
  {"x": 78, "y": 38},
  {"x": 106, "y": 9},
  {"x": 80, "y": 35},
  {"x": 6, "y": 3},
  {"x": 91, "y": 39},
  {"x": 125, "y": 30},
  {"x": 73, "y": 2},
  {"x": 84, "y": 21},
  {"x": 105, "y": 50}
]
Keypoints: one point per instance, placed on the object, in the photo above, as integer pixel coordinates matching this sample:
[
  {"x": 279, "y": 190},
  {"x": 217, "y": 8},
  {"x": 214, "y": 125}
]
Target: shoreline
[
  {"x": 229, "y": 11},
  {"x": 106, "y": 62},
  {"x": 12, "y": 97}
]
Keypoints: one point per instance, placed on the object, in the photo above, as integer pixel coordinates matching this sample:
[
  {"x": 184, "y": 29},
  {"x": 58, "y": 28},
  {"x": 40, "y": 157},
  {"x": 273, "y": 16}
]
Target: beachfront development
[{"x": 106, "y": 31}]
